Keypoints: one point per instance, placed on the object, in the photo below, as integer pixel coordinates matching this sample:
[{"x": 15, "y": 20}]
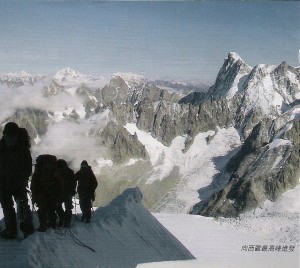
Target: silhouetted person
[
  {"x": 15, "y": 170},
  {"x": 69, "y": 190},
  {"x": 87, "y": 184}
]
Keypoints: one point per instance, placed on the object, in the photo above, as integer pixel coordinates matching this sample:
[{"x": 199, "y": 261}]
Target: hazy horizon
[{"x": 174, "y": 40}]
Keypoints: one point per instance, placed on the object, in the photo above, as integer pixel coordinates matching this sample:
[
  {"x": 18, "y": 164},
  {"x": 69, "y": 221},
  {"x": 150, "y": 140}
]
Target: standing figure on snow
[
  {"x": 87, "y": 184},
  {"x": 46, "y": 187},
  {"x": 69, "y": 190},
  {"x": 15, "y": 170}
]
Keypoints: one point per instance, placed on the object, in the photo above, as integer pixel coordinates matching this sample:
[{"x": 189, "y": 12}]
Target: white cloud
[
  {"x": 70, "y": 141},
  {"x": 32, "y": 96},
  {"x": 65, "y": 139}
]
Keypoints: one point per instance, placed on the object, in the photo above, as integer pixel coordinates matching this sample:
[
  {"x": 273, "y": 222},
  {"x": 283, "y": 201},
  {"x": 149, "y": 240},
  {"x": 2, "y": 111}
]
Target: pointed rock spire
[{"x": 229, "y": 76}]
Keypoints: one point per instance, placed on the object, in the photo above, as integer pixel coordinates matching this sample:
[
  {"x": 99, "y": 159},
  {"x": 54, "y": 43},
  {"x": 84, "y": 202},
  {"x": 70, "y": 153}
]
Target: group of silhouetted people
[{"x": 53, "y": 186}]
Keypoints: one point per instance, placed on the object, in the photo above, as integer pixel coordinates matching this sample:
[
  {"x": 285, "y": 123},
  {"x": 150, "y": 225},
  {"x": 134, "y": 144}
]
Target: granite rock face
[
  {"x": 122, "y": 145},
  {"x": 36, "y": 121},
  {"x": 267, "y": 165}
]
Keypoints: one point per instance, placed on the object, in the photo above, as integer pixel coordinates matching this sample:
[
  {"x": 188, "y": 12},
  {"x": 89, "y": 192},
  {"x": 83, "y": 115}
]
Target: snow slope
[
  {"x": 227, "y": 242},
  {"x": 217, "y": 245},
  {"x": 122, "y": 234}
]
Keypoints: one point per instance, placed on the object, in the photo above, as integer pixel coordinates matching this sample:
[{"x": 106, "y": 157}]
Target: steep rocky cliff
[{"x": 267, "y": 165}]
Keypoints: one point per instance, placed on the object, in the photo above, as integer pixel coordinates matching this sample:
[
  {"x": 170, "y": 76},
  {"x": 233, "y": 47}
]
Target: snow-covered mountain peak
[
  {"x": 15, "y": 79},
  {"x": 234, "y": 60},
  {"x": 291, "y": 72},
  {"x": 66, "y": 73},
  {"x": 270, "y": 88},
  {"x": 132, "y": 79},
  {"x": 230, "y": 77},
  {"x": 265, "y": 88},
  {"x": 20, "y": 74},
  {"x": 69, "y": 77},
  {"x": 234, "y": 56},
  {"x": 285, "y": 66}
]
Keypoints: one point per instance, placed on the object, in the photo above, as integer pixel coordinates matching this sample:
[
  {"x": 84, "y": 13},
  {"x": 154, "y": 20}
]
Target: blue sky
[{"x": 176, "y": 40}]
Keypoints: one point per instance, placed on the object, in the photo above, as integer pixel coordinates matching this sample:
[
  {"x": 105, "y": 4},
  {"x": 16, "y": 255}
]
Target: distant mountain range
[{"x": 216, "y": 150}]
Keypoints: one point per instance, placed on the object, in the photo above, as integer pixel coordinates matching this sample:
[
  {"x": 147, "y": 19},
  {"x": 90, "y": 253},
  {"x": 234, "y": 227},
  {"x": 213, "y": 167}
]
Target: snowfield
[
  {"x": 125, "y": 234},
  {"x": 197, "y": 168}
]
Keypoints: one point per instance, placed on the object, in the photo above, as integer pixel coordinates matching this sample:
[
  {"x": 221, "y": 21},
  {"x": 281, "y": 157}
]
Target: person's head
[
  {"x": 10, "y": 133},
  {"x": 61, "y": 163},
  {"x": 84, "y": 164}
]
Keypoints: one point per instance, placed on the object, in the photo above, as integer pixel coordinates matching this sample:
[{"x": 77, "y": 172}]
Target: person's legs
[
  {"x": 42, "y": 214},
  {"x": 68, "y": 211},
  {"x": 27, "y": 225},
  {"x": 61, "y": 214},
  {"x": 9, "y": 213},
  {"x": 82, "y": 207},
  {"x": 86, "y": 209},
  {"x": 51, "y": 213}
]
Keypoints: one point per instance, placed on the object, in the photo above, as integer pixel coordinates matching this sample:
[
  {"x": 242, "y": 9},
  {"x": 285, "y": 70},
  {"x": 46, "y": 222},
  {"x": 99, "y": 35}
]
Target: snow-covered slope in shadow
[{"x": 122, "y": 234}]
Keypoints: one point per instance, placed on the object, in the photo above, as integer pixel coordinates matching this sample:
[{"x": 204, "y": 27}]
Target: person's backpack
[
  {"x": 68, "y": 178},
  {"x": 45, "y": 179}
]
